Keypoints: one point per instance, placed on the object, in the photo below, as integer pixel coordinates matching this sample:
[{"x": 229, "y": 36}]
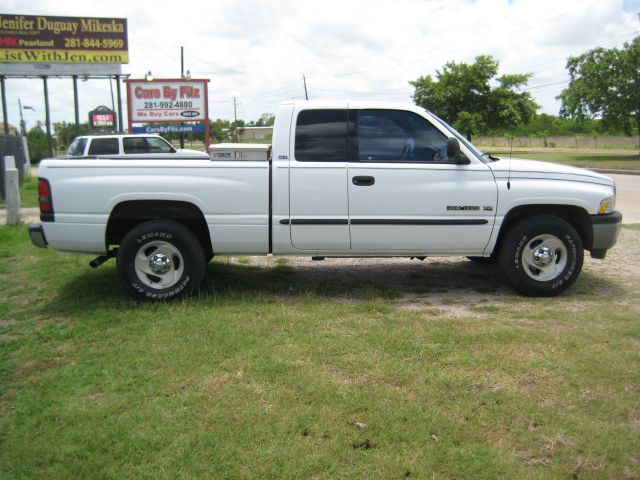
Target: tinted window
[
  {"x": 145, "y": 145},
  {"x": 135, "y": 145},
  {"x": 321, "y": 136},
  {"x": 104, "y": 146},
  {"x": 399, "y": 136},
  {"x": 158, "y": 145}
]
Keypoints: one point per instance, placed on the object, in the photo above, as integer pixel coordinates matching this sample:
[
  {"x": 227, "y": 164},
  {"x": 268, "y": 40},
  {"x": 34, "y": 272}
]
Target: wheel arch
[
  {"x": 128, "y": 214},
  {"x": 576, "y": 216}
]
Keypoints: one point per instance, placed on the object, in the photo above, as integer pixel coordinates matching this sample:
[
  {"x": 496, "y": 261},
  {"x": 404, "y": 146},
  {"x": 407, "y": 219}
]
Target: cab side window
[
  {"x": 399, "y": 136},
  {"x": 321, "y": 136},
  {"x": 134, "y": 145},
  {"x": 104, "y": 146},
  {"x": 157, "y": 145}
]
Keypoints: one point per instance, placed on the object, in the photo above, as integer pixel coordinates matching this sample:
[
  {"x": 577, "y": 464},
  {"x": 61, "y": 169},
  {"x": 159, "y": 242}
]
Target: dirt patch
[{"x": 27, "y": 215}]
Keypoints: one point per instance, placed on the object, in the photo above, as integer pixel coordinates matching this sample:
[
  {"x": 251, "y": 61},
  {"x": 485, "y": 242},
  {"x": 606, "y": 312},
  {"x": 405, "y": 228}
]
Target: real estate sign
[{"x": 40, "y": 39}]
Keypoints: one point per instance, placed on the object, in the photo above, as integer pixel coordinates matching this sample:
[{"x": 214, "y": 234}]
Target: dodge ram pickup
[{"x": 339, "y": 180}]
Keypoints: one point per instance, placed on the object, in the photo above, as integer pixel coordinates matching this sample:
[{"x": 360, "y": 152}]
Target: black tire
[
  {"x": 542, "y": 255},
  {"x": 160, "y": 260},
  {"x": 484, "y": 260}
]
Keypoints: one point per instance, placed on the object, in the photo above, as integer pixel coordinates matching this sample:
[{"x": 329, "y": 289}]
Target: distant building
[
  {"x": 12, "y": 130},
  {"x": 254, "y": 134}
]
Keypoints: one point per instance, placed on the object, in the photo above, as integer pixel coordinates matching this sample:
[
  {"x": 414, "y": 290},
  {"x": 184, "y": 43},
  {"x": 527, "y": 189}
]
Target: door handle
[{"x": 364, "y": 181}]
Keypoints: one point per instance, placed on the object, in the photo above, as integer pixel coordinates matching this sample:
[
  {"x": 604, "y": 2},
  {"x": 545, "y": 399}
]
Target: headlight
[{"x": 607, "y": 205}]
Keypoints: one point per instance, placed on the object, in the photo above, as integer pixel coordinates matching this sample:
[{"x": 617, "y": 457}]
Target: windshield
[
  {"x": 462, "y": 139},
  {"x": 76, "y": 149}
]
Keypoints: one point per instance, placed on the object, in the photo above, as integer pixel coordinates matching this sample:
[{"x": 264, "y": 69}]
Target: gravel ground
[{"x": 455, "y": 284}]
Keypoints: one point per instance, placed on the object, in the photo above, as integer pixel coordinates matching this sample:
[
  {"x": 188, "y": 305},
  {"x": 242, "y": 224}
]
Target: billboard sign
[
  {"x": 167, "y": 101},
  {"x": 39, "y": 39}
]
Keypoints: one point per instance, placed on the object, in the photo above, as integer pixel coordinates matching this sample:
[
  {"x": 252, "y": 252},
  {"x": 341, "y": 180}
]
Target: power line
[{"x": 545, "y": 85}]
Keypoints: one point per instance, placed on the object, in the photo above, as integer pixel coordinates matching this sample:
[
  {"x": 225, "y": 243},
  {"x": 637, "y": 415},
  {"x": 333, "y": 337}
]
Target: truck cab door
[
  {"x": 407, "y": 197},
  {"x": 318, "y": 218}
]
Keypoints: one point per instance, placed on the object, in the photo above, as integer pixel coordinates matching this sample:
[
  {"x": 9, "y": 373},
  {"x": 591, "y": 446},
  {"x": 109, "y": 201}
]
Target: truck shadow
[
  {"x": 353, "y": 279},
  {"x": 450, "y": 280},
  {"x": 453, "y": 279}
]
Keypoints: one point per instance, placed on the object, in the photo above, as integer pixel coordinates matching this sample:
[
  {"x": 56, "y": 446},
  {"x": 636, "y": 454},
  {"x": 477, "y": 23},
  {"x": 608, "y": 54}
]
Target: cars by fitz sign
[{"x": 163, "y": 101}]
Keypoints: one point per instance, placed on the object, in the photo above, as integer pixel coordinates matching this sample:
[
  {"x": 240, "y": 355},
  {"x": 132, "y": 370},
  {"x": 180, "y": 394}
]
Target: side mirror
[
  {"x": 453, "y": 147},
  {"x": 454, "y": 153}
]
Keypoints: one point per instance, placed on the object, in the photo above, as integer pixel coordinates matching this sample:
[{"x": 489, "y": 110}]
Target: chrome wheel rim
[
  {"x": 159, "y": 264},
  {"x": 544, "y": 257}
]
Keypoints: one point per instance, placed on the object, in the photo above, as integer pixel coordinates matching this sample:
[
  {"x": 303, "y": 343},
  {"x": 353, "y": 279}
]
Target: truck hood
[{"x": 535, "y": 169}]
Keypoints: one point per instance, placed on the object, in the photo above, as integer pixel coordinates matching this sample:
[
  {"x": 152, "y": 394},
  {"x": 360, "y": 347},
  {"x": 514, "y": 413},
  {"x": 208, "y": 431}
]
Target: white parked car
[
  {"x": 342, "y": 180},
  {"x": 128, "y": 146}
]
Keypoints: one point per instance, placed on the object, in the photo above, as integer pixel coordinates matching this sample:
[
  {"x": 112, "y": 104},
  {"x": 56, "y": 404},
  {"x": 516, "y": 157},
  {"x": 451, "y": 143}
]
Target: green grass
[
  {"x": 28, "y": 193},
  {"x": 268, "y": 371},
  {"x": 614, "y": 161}
]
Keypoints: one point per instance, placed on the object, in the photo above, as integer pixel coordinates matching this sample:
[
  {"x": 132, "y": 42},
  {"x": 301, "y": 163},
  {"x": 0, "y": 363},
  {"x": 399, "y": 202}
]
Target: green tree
[
  {"x": 605, "y": 83},
  {"x": 219, "y": 130},
  {"x": 37, "y": 141},
  {"x": 461, "y": 94},
  {"x": 66, "y": 132},
  {"x": 266, "y": 120}
]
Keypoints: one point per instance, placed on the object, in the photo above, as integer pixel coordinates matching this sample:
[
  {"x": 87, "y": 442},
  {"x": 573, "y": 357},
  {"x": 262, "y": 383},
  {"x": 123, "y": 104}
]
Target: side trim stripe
[
  {"x": 314, "y": 221},
  {"x": 419, "y": 222}
]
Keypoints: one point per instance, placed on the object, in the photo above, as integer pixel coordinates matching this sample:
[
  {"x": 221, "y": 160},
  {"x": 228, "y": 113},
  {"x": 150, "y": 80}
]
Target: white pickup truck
[{"x": 341, "y": 180}]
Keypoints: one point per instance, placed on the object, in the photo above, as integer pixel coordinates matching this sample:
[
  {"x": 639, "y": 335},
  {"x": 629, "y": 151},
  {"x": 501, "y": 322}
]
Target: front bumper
[
  {"x": 605, "y": 232},
  {"x": 36, "y": 234}
]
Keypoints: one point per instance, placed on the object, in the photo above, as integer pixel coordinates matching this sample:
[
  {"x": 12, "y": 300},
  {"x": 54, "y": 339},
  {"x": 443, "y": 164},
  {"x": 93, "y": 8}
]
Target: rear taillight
[{"x": 44, "y": 198}]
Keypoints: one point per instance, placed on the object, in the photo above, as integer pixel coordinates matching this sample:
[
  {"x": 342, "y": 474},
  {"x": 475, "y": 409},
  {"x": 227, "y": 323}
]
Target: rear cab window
[{"x": 321, "y": 136}]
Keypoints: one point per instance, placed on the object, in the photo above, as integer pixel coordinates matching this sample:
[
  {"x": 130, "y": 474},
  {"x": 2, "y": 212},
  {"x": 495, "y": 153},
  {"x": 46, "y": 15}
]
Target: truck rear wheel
[
  {"x": 542, "y": 255},
  {"x": 160, "y": 260}
]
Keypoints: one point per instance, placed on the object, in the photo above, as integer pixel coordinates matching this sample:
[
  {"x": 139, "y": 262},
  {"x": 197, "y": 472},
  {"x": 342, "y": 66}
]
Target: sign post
[{"x": 12, "y": 191}]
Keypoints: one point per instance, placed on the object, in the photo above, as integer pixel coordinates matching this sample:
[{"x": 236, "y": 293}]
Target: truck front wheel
[
  {"x": 542, "y": 255},
  {"x": 160, "y": 260}
]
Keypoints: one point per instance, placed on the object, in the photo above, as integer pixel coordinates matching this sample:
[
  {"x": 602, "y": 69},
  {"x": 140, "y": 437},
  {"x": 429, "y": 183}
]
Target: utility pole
[
  {"x": 23, "y": 128},
  {"x": 306, "y": 95},
  {"x": 235, "y": 119},
  {"x": 113, "y": 105},
  {"x": 4, "y": 107}
]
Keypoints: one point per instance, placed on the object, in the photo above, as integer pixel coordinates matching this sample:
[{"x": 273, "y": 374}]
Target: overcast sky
[{"x": 258, "y": 50}]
